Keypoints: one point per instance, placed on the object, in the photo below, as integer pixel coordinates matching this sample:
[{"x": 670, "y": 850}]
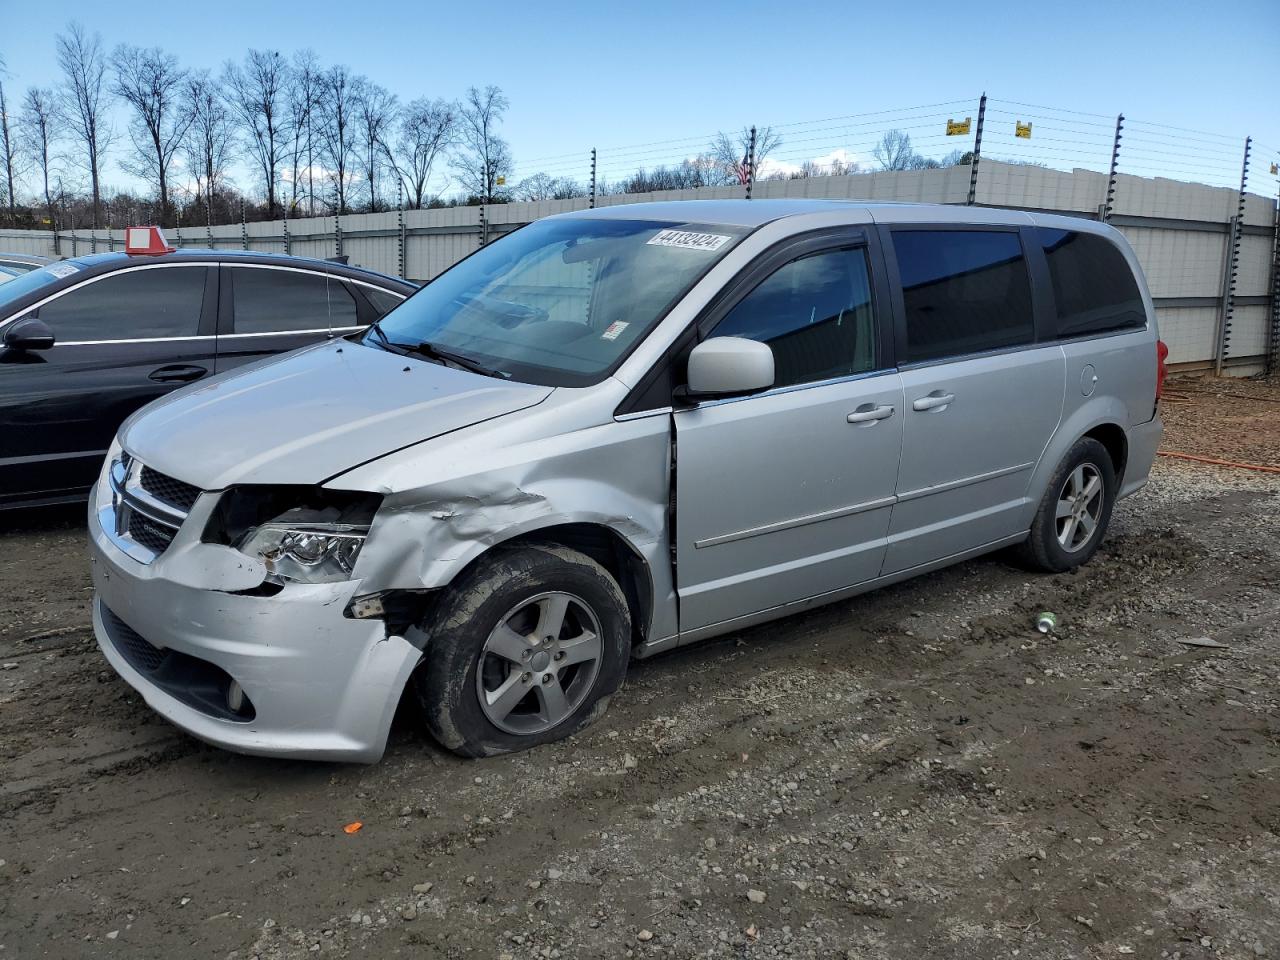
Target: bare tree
[
  {"x": 543, "y": 186},
  {"x": 256, "y": 92},
  {"x": 8, "y": 148},
  {"x": 304, "y": 97},
  {"x": 151, "y": 82},
  {"x": 209, "y": 138},
  {"x": 338, "y": 133},
  {"x": 894, "y": 151},
  {"x": 376, "y": 110},
  {"x": 39, "y": 125},
  {"x": 731, "y": 154},
  {"x": 83, "y": 103},
  {"x": 426, "y": 129},
  {"x": 484, "y": 157}
]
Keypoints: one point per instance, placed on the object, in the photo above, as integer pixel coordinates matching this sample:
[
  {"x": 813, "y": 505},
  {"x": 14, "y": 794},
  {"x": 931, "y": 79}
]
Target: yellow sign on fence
[
  {"x": 957, "y": 128},
  {"x": 1022, "y": 130}
]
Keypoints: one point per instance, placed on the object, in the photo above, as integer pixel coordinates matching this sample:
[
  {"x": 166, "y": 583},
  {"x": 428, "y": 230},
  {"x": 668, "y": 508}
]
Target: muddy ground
[{"x": 914, "y": 773}]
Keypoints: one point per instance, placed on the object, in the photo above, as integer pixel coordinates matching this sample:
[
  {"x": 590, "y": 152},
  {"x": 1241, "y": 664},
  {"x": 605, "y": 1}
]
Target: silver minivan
[{"x": 611, "y": 433}]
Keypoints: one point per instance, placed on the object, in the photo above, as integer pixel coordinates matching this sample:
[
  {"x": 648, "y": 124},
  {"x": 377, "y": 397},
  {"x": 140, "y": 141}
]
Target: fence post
[
  {"x": 484, "y": 227},
  {"x": 400, "y": 228},
  {"x": 1233, "y": 264},
  {"x": 751, "y": 161},
  {"x": 977, "y": 151},
  {"x": 111, "y": 237},
  {"x": 179, "y": 226},
  {"x": 593, "y": 178},
  {"x": 208, "y": 219},
  {"x": 1273, "y": 346},
  {"x": 337, "y": 236},
  {"x": 244, "y": 227},
  {"x": 1115, "y": 163},
  {"x": 288, "y": 245}
]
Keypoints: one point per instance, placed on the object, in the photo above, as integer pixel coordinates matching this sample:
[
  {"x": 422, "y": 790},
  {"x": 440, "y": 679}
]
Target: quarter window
[
  {"x": 280, "y": 301},
  {"x": 151, "y": 303},
  {"x": 815, "y": 313},
  {"x": 1093, "y": 288},
  {"x": 383, "y": 300},
  {"x": 965, "y": 291}
]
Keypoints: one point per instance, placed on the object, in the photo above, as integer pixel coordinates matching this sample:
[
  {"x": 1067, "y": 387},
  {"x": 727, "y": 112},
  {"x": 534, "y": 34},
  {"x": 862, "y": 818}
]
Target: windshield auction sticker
[
  {"x": 689, "y": 241},
  {"x": 62, "y": 269}
]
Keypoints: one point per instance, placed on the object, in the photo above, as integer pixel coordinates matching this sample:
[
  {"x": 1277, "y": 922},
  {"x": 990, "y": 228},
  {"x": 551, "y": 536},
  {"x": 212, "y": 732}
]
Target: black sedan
[{"x": 85, "y": 342}]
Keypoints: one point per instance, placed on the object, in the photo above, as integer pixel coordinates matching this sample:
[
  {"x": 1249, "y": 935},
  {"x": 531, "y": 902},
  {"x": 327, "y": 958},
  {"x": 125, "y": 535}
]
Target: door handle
[
  {"x": 178, "y": 373},
  {"x": 869, "y": 414},
  {"x": 937, "y": 400}
]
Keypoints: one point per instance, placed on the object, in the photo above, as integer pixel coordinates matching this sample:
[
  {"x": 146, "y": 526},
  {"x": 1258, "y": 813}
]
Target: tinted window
[
  {"x": 964, "y": 290},
  {"x": 1093, "y": 287},
  {"x": 282, "y": 300},
  {"x": 157, "y": 302},
  {"x": 382, "y": 300},
  {"x": 816, "y": 315}
]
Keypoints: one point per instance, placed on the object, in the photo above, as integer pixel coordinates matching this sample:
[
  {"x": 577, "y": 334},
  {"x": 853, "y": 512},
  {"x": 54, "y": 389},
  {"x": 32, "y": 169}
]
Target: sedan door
[
  {"x": 983, "y": 396},
  {"x": 122, "y": 340},
  {"x": 787, "y": 494},
  {"x": 268, "y": 309}
]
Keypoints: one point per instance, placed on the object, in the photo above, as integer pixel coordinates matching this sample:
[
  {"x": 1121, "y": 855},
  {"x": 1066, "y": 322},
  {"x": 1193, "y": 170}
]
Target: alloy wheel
[{"x": 539, "y": 663}]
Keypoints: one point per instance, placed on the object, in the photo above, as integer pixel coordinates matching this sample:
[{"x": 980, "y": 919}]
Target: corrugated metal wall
[{"x": 1180, "y": 231}]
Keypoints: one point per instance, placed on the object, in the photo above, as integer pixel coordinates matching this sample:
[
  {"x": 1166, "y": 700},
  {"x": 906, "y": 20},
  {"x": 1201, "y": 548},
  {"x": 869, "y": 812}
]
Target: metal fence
[{"x": 1210, "y": 252}]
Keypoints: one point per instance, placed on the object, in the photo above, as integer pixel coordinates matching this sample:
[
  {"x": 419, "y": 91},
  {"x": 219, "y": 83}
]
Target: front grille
[
  {"x": 147, "y": 508},
  {"x": 154, "y": 536},
  {"x": 131, "y": 644},
  {"x": 173, "y": 492}
]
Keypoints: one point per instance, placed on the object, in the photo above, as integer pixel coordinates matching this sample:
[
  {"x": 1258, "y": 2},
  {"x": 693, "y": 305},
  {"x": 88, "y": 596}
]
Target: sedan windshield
[
  {"x": 21, "y": 284},
  {"x": 559, "y": 302}
]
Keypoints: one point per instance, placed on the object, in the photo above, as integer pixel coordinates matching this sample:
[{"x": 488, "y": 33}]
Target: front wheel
[
  {"x": 527, "y": 648},
  {"x": 1072, "y": 518}
]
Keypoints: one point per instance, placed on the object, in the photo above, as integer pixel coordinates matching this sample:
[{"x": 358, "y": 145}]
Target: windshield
[
  {"x": 24, "y": 283},
  {"x": 559, "y": 302}
]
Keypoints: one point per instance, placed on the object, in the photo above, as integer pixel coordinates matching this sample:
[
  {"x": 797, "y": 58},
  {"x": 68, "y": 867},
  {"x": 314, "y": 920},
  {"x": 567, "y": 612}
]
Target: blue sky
[{"x": 618, "y": 76}]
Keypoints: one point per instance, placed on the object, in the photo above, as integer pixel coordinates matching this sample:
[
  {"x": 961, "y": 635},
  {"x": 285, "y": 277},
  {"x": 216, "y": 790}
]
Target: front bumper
[{"x": 322, "y": 686}]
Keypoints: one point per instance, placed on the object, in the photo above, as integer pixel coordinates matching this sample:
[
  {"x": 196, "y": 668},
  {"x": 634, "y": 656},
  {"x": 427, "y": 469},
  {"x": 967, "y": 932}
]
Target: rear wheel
[
  {"x": 527, "y": 648},
  {"x": 1072, "y": 518}
]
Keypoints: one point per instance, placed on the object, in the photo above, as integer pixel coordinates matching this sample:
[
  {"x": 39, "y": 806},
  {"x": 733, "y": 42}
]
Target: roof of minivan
[{"x": 755, "y": 213}]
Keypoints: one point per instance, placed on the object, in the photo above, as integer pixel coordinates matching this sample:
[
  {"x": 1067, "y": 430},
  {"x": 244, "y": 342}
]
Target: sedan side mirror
[
  {"x": 723, "y": 366},
  {"x": 29, "y": 334}
]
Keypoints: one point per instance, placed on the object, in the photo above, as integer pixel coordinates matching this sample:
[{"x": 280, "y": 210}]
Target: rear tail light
[{"x": 1162, "y": 354}]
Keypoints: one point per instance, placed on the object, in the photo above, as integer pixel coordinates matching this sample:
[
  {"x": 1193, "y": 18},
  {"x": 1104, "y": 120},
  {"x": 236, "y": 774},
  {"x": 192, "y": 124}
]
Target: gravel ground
[{"x": 913, "y": 773}]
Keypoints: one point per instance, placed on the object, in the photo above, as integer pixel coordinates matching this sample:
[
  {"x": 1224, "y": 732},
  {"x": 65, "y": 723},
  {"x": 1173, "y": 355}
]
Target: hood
[{"x": 307, "y": 416}]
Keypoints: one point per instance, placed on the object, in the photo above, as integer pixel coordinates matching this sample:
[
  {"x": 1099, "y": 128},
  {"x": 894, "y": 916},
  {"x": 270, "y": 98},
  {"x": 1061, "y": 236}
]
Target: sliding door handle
[{"x": 934, "y": 401}]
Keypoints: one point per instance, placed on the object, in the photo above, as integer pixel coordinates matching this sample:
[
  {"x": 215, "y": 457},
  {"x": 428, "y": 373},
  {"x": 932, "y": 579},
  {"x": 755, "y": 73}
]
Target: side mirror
[
  {"x": 724, "y": 366},
  {"x": 29, "y": 334}
]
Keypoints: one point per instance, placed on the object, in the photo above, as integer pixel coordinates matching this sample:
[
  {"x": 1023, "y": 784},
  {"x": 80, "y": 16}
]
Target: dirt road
[{"x": 915, "y": 773}]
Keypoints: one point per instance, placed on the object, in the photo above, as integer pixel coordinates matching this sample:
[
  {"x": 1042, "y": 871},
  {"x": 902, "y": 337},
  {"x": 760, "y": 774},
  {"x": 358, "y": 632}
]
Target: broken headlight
[
  {"x": 306, "y": 553},
  {"x": 302, "y": 534}
]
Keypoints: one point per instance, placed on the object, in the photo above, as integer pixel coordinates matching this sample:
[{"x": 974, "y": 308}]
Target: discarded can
[{"x": 1047, "y": 622}]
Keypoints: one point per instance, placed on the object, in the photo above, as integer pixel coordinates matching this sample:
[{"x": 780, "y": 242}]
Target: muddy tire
[
  {"x": 1072, "y": 518},
  {"x": 527, "y": 648}
]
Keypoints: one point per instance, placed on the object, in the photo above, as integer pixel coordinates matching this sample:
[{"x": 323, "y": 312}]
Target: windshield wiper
[{"x": 429, "y": 350}]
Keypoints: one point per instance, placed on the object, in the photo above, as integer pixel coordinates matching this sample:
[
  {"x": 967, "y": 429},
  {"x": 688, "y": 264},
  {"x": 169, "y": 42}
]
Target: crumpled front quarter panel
[{"x": 449, "y": 500}]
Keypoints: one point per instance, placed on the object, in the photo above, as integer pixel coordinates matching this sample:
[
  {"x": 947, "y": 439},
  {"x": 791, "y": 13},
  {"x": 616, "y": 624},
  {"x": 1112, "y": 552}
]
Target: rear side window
[
  {"x": 283, "y": 301},
  {"x": 965, "y": 291},
  {"x": 145, "y": 304},
  {"x": 815, "y": 313},
  {"x": 383, "y": 300},
  {"x": 1093, "y": 287}
]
